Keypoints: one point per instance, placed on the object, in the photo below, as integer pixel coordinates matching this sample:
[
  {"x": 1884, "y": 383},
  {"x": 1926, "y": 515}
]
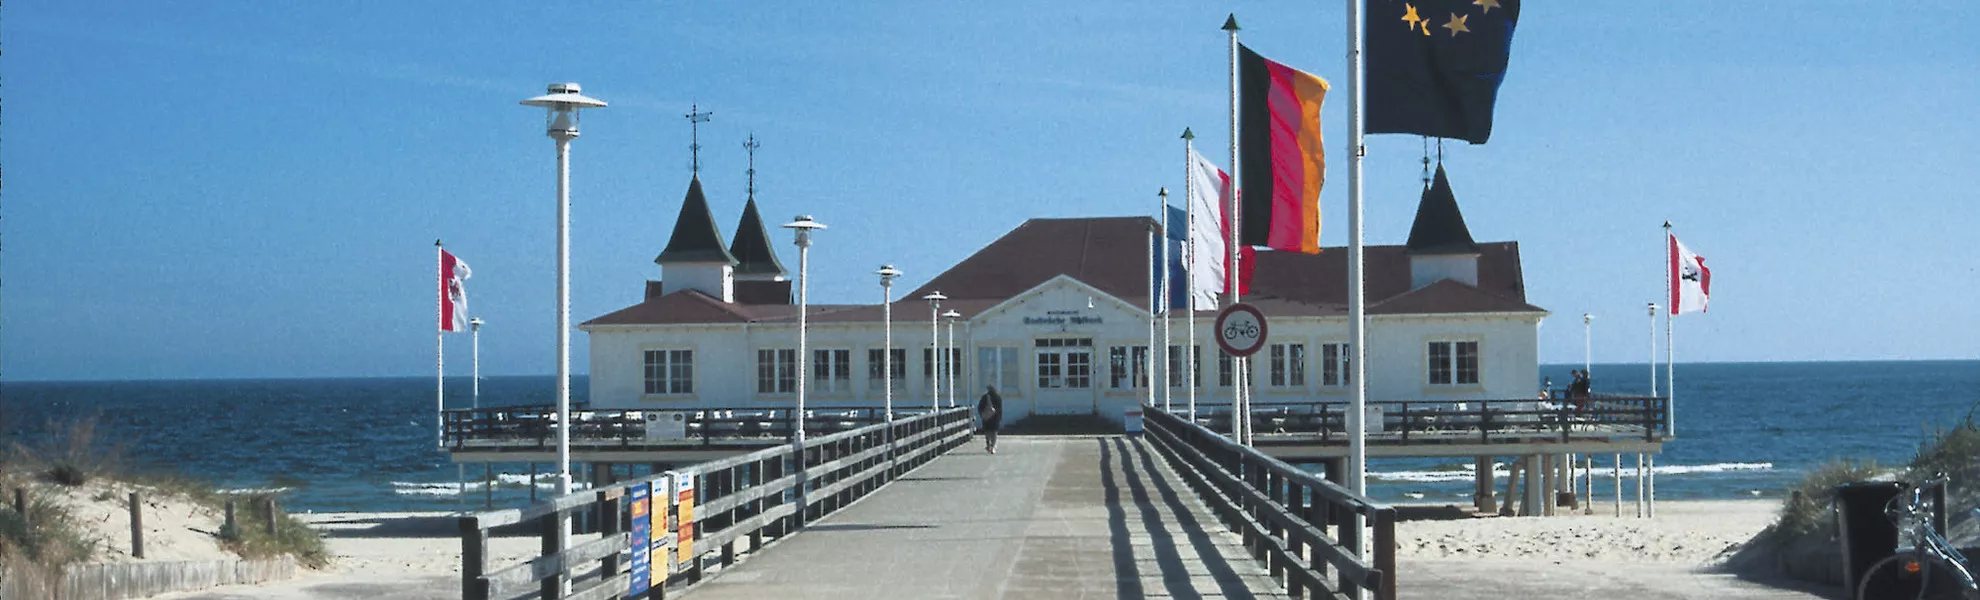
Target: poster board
[
  {"x": 684, "y": 507},
  {"x": 640, "y": 506}
]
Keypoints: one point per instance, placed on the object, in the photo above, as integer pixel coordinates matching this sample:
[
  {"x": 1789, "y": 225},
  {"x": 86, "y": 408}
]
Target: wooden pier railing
[
  {"x": 1480, "y": 421},
  {"x": 535, "y": 426},
  {"x": 769, "y": 493},
  {"x": 1301, "y": 526}
]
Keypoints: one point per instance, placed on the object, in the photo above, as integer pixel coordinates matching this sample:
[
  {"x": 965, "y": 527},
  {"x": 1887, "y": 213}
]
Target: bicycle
[{"x": 1918, "y": 569}]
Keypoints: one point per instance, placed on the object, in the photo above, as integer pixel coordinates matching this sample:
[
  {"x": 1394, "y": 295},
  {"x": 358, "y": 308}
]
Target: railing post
[
  {"x": 608, "y": 516},
  {"x": 137, "y": 526},
  {"x": 474, "y": 559},
  {"x": 1385, "y": 552},
  {"x": 553, "y": 586}
]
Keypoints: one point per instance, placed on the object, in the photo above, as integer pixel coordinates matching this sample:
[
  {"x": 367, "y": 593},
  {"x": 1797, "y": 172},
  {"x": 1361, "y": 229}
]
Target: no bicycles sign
[{"x": 1241, "y": 329}]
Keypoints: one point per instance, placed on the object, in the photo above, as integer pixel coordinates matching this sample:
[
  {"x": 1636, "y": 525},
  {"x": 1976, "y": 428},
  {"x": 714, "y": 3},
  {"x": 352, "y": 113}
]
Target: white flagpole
[
  {"x": 440, "y": 354},
  {"x": 1148, "y": 358},
  {"x": 1239, "y": 413},
  {"x": 1189, "y": 254},
  {"x": 1670, "y": 353},
  {"x": 1357, "y": 285},
  {"x": 1653, "y": 349},
  {"x": 1167, "y": 307}
]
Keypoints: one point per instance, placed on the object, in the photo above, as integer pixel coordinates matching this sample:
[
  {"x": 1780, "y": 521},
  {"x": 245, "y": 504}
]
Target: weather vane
[
  {"x": 751, "y": 146},
  {"x": 695, "y": 118}
]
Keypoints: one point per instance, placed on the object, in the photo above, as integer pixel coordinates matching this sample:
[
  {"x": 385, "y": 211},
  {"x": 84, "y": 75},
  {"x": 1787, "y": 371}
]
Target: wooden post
[
  {"x": 1487, "y": 483},
  {"x": 1385, "y": 552},
  {"x": 1535, "y": 503},
  {"x": 608, "y": 524},
  {"x": 532, "y": 483},
  {"x": 137, "y": 526},
  {"x": 231, "y": 525},
  {"x": 1513, "y": 497},
  {"x": 474, "y": 559},
  {"x": 20, "y": 504},
  {"x": 269, "y": 522},
  {"x": 553, "y": 586},
  {"x": 1548, "y": 479}
]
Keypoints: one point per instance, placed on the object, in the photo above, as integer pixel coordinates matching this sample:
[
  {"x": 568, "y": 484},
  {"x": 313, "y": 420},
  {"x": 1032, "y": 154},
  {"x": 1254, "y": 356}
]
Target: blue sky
[{"x": 252, "y": 189}]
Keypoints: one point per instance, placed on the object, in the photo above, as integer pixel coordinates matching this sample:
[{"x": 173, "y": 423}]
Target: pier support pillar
[
  {"x": 1485, "y": 484},
  {"x": 1549, "y": 480},
  {"x": 1514, "y": 466},
  {"x": 1534, "y": 503}
]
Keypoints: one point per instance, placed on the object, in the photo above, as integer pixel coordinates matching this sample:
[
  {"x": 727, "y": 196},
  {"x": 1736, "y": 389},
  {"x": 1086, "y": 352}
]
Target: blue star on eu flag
[{"x": 1434, "y": 66}]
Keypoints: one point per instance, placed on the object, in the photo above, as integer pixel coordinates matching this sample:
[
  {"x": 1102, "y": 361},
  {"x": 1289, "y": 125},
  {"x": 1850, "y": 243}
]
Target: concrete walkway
[{"x": 1072, "y": 517}]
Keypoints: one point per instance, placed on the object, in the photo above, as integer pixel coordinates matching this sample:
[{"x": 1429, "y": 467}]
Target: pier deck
[{"x": 1046, "y": 517}]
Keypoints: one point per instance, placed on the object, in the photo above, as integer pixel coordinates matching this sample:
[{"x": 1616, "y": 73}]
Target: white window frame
[
  {"x": 1001, "y": 366},
  {"x": 671, "y": 380},
  {"x": 1133, "y": 367},
  {"x": 1453, "y": 362},
  {"x": 1342, "y": 364},
  {"x": 781, "y": 374},
  {"x": 875, "y": 370},
  {"x": 1286, "y": 365},
  {"x": 838, "y": 370},
  {"x": 1178, "y": 373}
]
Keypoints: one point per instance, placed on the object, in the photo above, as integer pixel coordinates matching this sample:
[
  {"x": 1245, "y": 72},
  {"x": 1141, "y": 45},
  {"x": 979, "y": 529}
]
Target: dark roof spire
[
  {"x": 1439, "y": 227},
  {"x": 752, "y": 244},
  {"x": 696, "y": 238}
]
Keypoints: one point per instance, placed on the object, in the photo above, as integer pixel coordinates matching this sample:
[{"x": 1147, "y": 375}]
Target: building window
[
  {"x": 1179, "y": 372},
  {"x": 831, "y": 370},
  {"x": 1224, "y": 368},
  {"x": 876, "y": 370},
  {"x": 669, "y": 371},
  {"x": 1335, "y": 365},
  {"x": 776, "y": 371},
  {"x": 1453, "y": 363},
  {"x": 1051, "y": 370},
  {"x": 929, "y": 368},
  {"x": 1128, "y": 367},
  {"x": 1288, "y": 365},
  {"x": 999, "y": 367}
]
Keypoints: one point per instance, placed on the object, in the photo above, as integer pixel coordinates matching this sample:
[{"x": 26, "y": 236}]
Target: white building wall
[
  {"x": 725, "y": 356},
  {"x": 713, "y": 278}
]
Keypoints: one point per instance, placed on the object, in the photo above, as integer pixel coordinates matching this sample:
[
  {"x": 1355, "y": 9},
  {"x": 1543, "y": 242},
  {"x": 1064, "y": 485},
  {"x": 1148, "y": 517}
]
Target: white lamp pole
[
  {"x": 948, "y": 360},
  {"x": 474, "y": 326},
  {"x": 934, "y": 299},
  {"x": 562, "y": 104},
  {"x": 887, "y": 276},
  {"x": 1587, "y": 345},
  {"x": 802, "y": 227}
]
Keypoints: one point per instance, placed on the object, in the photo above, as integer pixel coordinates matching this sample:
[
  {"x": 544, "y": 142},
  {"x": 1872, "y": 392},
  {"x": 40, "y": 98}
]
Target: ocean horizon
[{"x": 1744, "y": 430}]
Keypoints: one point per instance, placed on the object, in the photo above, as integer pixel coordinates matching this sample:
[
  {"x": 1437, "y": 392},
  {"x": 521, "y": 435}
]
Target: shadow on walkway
[{"x": 1160, "y": 523}]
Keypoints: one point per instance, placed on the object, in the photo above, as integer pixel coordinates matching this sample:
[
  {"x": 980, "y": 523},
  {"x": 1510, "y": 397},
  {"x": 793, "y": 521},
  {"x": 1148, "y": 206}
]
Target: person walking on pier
[{"x": 990, "y": 409}]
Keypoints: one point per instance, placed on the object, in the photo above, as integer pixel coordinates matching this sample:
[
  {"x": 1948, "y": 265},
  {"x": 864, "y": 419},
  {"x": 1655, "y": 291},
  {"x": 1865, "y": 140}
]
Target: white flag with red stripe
[
  {"x": 1691, "y": 282},
  {"x": 453, "y": 292},
  {"x": 1208, "y": 198}
]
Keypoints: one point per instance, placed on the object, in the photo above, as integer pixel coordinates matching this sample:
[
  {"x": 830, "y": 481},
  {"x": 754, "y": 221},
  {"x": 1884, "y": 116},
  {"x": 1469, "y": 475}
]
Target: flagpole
[
  {"x": 1189, "y": 254},
  {"x": 1166, "y": 308},
  {"x": 1670, "y": 353},
  {"x": 1357, "y": 284},
  {"x": 440, "y": 354},
  {"x": 1231, "y": 241}
]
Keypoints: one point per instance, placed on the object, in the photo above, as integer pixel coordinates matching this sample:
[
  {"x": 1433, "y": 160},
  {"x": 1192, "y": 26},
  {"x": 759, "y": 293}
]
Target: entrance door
[{"x": 1065, "y": 376}]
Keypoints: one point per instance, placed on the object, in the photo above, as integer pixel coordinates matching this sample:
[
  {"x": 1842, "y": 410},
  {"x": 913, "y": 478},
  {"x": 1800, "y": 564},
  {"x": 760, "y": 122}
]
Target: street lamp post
[
  {"x": 1587, "y": 345},
  {"x": 803, "y": 227},
  {"x": 948, "y": 360},
  {"x": 474, "y": 328},
  {"x": 562, "y": 105},
  {"x": 887, "y": 276},
  {"x": 1653, "y": 349},
  {"x": 934, "y": 299}
]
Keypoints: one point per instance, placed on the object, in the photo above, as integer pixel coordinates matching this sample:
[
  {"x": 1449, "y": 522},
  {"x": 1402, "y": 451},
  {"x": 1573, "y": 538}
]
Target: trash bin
[{"x": 1867, "y": 535}]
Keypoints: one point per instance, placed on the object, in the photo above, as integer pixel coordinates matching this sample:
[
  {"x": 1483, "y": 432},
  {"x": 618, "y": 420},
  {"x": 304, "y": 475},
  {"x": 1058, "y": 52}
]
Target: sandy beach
[{"x": 389, "y": 556}]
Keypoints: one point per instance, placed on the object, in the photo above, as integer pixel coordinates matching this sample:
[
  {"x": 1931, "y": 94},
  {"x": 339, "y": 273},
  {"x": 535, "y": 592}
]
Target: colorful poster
[
  {"x": 639, "y": 505},
  {"x": 684, "y": 497}
]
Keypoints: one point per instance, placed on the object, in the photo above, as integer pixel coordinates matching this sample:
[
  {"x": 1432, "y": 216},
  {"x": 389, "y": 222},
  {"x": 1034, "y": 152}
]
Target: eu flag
[{"x": 1434, "y": 66}]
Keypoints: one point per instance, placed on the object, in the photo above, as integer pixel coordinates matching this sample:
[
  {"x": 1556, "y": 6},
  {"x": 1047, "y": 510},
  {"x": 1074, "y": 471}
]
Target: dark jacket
[{"x": 990, "y": 408}]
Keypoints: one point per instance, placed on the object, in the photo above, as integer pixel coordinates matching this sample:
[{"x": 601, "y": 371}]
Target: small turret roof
[
  {"x": 1439, "y": 227},
  {"x": 696, "y": 238},
  {"x": 752, "y": 245}
]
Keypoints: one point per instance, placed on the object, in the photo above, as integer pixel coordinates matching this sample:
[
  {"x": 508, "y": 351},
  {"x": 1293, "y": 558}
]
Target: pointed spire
[
  {"x": 696, "y": 238},
  {"x": 1230, "y": 24},
  {"x": 752, "y": 247},
  {"x": 1439, "y": 227}
]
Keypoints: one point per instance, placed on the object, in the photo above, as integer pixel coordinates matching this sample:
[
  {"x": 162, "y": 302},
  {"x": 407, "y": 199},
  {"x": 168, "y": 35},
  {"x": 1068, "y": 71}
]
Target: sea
[{"x": 1744, "y": 430}]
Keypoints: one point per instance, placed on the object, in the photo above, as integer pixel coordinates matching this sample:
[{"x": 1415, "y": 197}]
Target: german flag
[{"x": 1283, "y": 164}]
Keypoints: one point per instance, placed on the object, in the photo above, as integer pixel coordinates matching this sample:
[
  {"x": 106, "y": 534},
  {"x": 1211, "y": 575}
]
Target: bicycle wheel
[{"x": 1907, "y": 577}]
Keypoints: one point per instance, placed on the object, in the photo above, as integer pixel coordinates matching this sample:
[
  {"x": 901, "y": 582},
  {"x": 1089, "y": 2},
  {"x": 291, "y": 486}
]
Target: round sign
[{"x": 1241, "y": 330}]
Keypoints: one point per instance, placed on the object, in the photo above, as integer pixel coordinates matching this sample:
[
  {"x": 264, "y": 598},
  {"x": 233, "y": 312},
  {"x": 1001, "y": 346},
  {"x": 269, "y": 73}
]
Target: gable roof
[
  {"x": 751, "y": 247},
  {"x": 696, "y": 238},
  {"x": 1439, "y": 227},
  {"x": 1448, "y": 296},
  {"x": 1108, "y": 253}
]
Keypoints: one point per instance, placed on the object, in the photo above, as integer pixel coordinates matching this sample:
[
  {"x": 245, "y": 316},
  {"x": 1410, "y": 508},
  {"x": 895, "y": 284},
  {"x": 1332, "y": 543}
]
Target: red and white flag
[
  {"x": 453, "y": 292},
  {"x": 1691, "y": 282},
  {"x": 1210, "y": 194}
]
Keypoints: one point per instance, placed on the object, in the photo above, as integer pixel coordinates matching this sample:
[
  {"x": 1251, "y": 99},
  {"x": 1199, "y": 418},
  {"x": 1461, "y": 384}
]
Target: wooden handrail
[
  {"x": 754, "y": 495},
  {"x": 1283, "y": 513}
]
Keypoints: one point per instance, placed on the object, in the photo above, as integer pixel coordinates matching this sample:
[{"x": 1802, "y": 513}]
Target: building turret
[
  {"x": 694, "y": 258},
  {"x": 1440, "y": 246}
]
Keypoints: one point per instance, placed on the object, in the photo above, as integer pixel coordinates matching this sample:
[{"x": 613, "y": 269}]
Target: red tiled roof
[{"x": 1110, "y": 254}]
